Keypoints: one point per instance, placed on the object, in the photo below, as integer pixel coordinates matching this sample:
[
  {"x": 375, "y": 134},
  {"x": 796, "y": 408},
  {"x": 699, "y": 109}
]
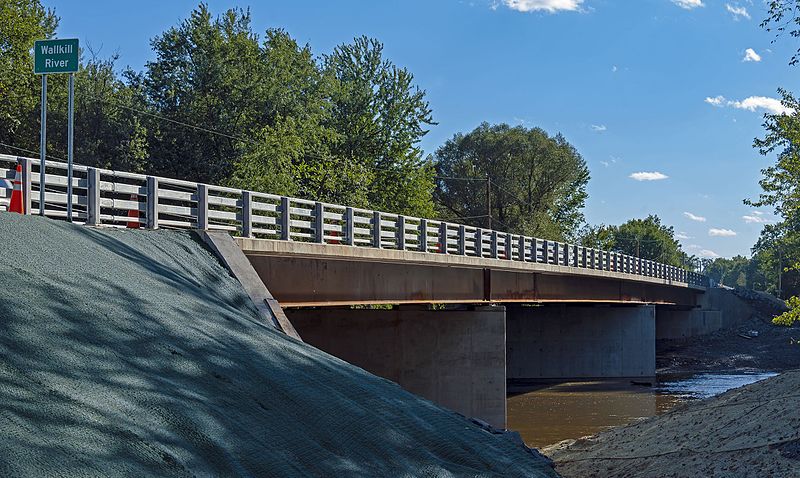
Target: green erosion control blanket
[{"x": 134, "y": 353}]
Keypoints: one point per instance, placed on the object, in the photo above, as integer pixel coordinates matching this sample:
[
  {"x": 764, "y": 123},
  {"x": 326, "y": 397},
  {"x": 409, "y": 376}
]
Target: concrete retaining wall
[
  {"x": 453, "y": 358},
  {"x": 572, "y": 341}
]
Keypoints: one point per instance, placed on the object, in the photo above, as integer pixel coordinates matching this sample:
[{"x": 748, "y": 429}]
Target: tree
[
  {"x": 783, "y": 16},
  {"x": 781, "y": 181},
  {"x": 778, "y": 248},
  {"x": 219, "y": 105},
  {"x": 646, "y": 238},
  {"x": 287, "y": 151},
  {"x": 23, "y": 22},
  {"x": 206, "y": 74},
  {"x": 729, "y": 272},
  {"x": 380, "y": 116},
  {"x": 108, "y": 132},
  {"x": 535, "y": 183}
]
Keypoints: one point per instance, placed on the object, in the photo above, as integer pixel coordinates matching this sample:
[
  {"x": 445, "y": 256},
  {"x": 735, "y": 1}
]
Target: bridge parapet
[{"x": 106, "y": 197}]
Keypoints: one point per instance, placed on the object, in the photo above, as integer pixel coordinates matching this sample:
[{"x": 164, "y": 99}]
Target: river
[{"x": 547, "y": 413}]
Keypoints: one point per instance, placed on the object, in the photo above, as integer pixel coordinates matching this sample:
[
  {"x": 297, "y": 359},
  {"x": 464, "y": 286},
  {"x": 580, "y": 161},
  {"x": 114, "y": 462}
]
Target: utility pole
[{"x": 489, "y": 200}]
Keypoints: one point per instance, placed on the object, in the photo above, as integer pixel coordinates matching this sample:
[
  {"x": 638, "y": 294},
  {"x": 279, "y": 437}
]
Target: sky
[{"x": 662, "y": 98}]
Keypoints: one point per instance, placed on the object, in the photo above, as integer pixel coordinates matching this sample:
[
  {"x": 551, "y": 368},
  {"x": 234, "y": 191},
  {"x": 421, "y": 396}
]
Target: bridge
[{"x": 448, "y": 311}]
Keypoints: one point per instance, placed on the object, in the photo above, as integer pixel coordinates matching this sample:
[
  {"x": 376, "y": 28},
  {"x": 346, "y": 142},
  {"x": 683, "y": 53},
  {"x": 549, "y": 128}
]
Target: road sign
[{"x": 55, "y": 56}]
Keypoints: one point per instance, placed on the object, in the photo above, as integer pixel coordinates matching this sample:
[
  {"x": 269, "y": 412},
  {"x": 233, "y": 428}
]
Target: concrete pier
[
  {"x": 580, "y": 341},
  {"x": 455, "y": 358}
]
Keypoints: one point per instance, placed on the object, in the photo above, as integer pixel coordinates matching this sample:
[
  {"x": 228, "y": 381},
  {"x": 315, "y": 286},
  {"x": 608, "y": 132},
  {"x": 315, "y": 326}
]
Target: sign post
[{"x": 49, "y": 57}]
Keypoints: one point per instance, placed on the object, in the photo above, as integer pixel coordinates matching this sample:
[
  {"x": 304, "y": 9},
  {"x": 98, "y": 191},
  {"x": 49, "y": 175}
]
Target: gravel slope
[{"x": 133, "y": 353}]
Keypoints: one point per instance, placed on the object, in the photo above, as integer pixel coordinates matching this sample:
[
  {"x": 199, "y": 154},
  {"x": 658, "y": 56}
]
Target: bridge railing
[{"x": 106, "y": 197}]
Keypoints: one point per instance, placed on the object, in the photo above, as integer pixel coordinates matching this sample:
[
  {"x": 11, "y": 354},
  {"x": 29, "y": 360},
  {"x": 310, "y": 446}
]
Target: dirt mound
[
  {"x": 133, "y": 353},
  {"x": 752, "y": 431}
]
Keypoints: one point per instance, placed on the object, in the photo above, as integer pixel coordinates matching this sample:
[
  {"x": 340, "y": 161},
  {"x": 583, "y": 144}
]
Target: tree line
[{"x": 222, "y": 104}]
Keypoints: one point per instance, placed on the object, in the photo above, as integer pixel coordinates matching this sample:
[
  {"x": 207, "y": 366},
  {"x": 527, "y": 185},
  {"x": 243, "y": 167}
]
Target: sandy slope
[
  {"x": 753, "y": 431},
  {"x": 133, "y": 353}
]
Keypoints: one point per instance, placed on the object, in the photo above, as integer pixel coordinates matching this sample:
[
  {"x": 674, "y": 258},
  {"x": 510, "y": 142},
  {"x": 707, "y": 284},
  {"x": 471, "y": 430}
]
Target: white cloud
[
  {"x": 689, "y": 4},
  {"x": 702, "y": 252},
  {"x": 605, "y": 163},
  {"x": 752, "y": 103},
  {"x": 751, "y": 55},
  {"x": 756, "y": 217},
  {"x": 648, "y": 176},
  {"x": 599, "y": 127},
  {"x": 708, "y": 254},
  {"x": 737, "y": 11},
  {"x": 550, "y": 6},
  {"x": 682, "y": 235},
  {"x": 694, "y": 217},
  {"x": 721, "y": 232}
]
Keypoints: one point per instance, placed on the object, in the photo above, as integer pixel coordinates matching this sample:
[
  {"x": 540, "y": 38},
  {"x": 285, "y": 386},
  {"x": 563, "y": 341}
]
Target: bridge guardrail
[{"x": 102, "y": 196}]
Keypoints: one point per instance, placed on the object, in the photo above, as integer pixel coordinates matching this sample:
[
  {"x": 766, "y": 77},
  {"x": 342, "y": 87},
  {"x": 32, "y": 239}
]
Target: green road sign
[{"x": 55, "y": 56}]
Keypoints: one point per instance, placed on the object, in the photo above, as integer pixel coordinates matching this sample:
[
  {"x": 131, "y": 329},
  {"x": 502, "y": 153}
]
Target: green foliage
[
  {"x": 108, "y": 133},
  {"x": 342, "y": 129},
  {"x": 538, "y": 181},
  {"x": 647, "y": 238},
  {"x": 22, "y": 22},
  {"x": 783, "y": 16},
  {"x": 729, "y": 272},
  {"x": 776, "y": 255},
  {"x": 218, "y": 104},
  {"x": 781, "y": 181},
  {"x": 205, "y": 73},
  {"x": 108, "y": 136},
  {"x": 380, "y": 116},
  {"x": 791, "y": 316}
]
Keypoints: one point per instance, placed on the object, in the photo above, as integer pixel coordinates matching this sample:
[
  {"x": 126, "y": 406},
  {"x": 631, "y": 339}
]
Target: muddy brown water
[{"x": 547, "y": 413}]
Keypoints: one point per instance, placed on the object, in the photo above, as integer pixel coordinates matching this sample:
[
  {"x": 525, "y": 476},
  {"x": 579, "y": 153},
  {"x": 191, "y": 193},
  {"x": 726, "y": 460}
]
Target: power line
[{"x": 29, "y": 151}]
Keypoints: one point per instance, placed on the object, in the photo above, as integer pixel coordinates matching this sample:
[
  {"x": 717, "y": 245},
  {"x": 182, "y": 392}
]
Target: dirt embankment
[
  {"x": 134, "y": 353},
  {"x": 752, "y": 431},
  {"x": 772, "y": 348}
]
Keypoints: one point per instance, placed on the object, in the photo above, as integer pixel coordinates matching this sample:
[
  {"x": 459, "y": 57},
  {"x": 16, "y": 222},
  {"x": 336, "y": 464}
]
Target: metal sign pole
[
  {"x": 70, "y": 128},
  {"x": 43, "y": 145}
]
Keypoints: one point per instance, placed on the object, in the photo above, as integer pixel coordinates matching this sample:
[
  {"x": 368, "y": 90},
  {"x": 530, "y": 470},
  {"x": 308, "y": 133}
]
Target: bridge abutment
[
  {"x": 455, "y": 358},
  {"x": 718, "y": 309},
  {"x": 580, "y": 341}
]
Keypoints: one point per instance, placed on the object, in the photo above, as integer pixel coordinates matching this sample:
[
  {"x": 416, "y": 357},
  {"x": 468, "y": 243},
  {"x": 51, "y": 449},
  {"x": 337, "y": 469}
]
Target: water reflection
[{"x": 548, "y": 413}]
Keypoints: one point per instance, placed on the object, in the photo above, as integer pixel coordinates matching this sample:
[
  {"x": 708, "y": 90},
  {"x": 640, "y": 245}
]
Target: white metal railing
[{"x": 101, "y": 196}]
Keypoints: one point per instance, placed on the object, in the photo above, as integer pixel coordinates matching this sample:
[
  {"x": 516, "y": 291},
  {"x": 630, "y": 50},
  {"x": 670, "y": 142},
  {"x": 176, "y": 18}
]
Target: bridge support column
[
  {"x": 455, "y": 358},
  {"x": 580, "y": 341}
]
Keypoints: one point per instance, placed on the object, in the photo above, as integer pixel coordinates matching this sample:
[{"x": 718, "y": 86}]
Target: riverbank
[
  {"x": 752, "y": 431},
  {"x": 755, "y": 345}
]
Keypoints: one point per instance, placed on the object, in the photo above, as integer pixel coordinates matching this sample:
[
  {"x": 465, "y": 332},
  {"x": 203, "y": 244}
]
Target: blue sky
[{"x": 673, "y": 90}]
